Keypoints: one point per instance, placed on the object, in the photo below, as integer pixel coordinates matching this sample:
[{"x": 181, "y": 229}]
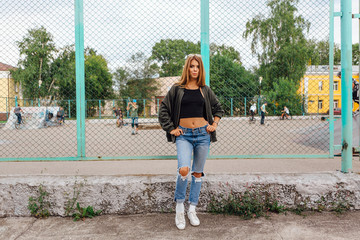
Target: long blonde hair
[{"x": 185, "y": 77}]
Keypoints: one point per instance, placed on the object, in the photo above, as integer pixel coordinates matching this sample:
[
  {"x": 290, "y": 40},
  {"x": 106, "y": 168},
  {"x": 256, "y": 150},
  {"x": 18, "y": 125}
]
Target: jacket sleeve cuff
[
  {"x": 218, "y": 115},
  {"x": 170, "y": 129}
]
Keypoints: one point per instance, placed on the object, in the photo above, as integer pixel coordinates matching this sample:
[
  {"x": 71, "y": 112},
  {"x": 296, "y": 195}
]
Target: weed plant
[
  {"x": 83, "y": 213},
  {"x": 39, "y": 205},
  {"x": 249, "y": 204}
]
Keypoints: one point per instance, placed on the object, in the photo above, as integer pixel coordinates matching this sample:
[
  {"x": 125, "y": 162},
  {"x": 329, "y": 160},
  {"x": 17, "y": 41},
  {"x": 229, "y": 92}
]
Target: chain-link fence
[{"x": 273, "y": 52}]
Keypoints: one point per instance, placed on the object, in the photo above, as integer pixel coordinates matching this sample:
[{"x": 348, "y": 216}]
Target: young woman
[{"x": 190, "y": 114}]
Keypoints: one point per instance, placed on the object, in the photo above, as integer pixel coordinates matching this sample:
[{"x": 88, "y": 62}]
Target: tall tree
[
  {"x": 98, "y": 78},
  {"x": 36, "y": 53},
  {"x": 224, "y": 50},
  {"x": 171, "y": 54},
  {"x": 355, "y": 54},
  {"x": 281, "y": 35},
  {"x": 284, "y": 94},
  {"x": 63, "y": 73},
  {"x": 137, "y": 79},
  {"x": 319, "y": 53},
  {"x": 230, "y": 80}
]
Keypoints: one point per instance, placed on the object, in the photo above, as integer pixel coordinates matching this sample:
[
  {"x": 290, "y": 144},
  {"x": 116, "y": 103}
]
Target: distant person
[
  {"x": 50, "y": 116},
  {"x": 253, "y": 111},
  {"x": 190, "y": 114},
  {"x": 117, "y": 115},
  {"x": 263, "y": 111},
  {"x": 121, "y": 117},
  {"x": 133, "y": 112},
  {"x": 18, "y": 111},
  {"x": 60, "y": 115},
  {"x": 285, "y": 113},
  {"x": 355, "y": 89}
]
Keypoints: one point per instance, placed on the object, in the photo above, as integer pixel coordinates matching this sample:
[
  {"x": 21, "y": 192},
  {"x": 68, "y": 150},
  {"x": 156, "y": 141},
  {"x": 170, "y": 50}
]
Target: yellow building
[
  {"x": 314, "y": 87},
  {"x": 8, "y": 91}
]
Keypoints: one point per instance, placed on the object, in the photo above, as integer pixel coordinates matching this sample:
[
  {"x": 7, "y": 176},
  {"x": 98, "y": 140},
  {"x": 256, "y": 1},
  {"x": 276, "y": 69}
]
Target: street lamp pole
[{"x": 40, "y": 82}]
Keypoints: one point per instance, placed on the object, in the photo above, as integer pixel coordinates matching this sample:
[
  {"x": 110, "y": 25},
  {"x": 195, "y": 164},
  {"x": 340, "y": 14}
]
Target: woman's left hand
[{"x": 211, "y": 128}]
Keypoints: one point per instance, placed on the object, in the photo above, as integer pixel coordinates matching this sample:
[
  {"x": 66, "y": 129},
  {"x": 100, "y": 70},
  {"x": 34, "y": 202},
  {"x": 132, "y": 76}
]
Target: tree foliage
[
  {"x": 137, "y": 79},
  {"x": 98, "y": 79},
  {"x": 224, "y": 50},
  {"x": 229, "y": 79},
  {"x": 319, "y": 53},
  {"x": 171, "y": 54},
  {"x": 284, "y": 93},
  {"x": 283, "y": 48},
  {"x": 36, "y": 54},
  {"x": 46, "y": 72},
  {"x": 63, "y": 73},
  {"x": 355, "y": 54}
]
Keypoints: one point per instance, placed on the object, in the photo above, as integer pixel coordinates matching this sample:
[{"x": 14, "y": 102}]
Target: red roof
[{"x": 5, "y": 67}]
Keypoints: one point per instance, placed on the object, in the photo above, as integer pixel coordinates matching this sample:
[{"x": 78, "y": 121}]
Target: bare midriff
[{"x": 193, "y": 122}]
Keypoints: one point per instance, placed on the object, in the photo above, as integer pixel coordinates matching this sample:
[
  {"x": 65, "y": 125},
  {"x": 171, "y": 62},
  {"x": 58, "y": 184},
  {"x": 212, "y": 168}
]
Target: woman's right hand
[{"x": 176, "y": 132}]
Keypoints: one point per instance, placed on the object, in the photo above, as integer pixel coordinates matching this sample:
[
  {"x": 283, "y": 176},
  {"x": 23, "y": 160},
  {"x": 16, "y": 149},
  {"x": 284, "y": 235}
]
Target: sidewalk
[
  {"x": 314, "y": 226},
  {"x": 160, "y": 167},
  {"x": 143, "y": 186}
]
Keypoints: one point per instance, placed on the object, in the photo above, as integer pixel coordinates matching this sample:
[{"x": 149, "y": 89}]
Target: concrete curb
[{"x": 154, "y": 193}]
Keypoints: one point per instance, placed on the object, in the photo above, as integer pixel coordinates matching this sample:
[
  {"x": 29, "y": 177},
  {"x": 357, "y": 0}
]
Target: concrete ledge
[{"x": 154, "y": 193}]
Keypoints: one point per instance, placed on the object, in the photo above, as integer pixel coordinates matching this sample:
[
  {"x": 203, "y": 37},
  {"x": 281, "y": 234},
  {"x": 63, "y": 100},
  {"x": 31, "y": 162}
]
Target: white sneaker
[
  {"x": 194, "y": 220},
  {"x": 180, "y": 220}
]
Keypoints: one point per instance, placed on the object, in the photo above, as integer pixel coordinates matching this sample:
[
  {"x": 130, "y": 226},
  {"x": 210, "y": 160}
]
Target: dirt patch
[{"x": 149, "y": 126}]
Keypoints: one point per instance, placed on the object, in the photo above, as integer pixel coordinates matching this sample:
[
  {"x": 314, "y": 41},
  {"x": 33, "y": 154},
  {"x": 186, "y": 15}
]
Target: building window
[
  {"x": 320, "y": 104},
  {"x": 336, "y": 103},
  {"x": 320, "y": 85},
  {"x": 336, "y": 85}
]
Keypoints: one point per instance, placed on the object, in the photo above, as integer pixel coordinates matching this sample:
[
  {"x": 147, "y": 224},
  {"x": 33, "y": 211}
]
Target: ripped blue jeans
[{"x": 193, "y": 142}]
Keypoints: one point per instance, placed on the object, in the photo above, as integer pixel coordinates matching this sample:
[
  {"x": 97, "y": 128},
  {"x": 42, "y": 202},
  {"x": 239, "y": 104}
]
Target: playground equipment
[{"x": 36, "y": 117}]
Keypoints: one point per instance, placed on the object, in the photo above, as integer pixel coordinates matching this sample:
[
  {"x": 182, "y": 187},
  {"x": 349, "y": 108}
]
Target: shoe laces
[
  {"x": 193, "y": 215},
  {"x": 180, "y": 217}
]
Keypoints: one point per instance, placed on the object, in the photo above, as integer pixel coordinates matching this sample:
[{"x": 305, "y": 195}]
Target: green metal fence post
[
  {"x": 318, "y": 106},
  {"x": 205, "y": 47},
  {"x": 331, "y": 80},
  {"x": 302, "y": 105},
  {"x": 157, "y": 106},
  {"x": 127, "y": 111},
  {"x": 80, "y": 77},
  {"x": 231, "y": 111},
  {"x": 16, "y": 101},
  {"x": 7, "y": 109},
  {"x": 245, "y": 107},
  {"x": 346, "y": 85},
  {"x": 39, "y": 105},
  {"x": 99, "y": 108},
  {"x": 144, "y": 101},
  {"x": 69, "y": 114},
  {"x": 113, "y": 107}
]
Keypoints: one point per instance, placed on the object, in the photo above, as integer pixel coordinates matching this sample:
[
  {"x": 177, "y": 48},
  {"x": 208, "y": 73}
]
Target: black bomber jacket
[{"x": 169, "y": 113}]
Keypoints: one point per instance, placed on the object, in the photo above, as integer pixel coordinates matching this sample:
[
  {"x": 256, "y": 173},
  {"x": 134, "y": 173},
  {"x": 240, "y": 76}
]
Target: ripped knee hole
[
  {"x": 197, "y": 175},
  {"x": 184, "y": 171}
]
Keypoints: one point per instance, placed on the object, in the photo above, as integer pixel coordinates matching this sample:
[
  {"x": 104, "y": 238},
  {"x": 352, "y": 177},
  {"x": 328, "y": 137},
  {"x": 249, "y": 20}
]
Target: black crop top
[{"x": 192, "y": 104}]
